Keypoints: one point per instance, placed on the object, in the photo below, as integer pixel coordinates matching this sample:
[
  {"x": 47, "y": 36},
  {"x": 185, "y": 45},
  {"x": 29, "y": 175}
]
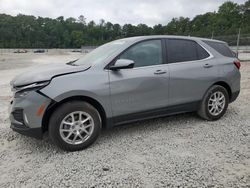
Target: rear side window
[
  {"x": 222, "y": 48},
  {"x": 181, "y": 50}
]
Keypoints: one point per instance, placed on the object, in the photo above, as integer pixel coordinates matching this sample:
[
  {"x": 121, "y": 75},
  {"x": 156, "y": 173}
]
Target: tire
[
  {"x": 78, "y": 118},
  {"x": 205, "y": 111}
]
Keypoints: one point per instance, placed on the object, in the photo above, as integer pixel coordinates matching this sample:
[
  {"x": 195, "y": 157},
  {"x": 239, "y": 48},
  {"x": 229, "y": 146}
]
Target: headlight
[
  {"x": 21, "y": 94},
  {"x": 22, "y": 91}
]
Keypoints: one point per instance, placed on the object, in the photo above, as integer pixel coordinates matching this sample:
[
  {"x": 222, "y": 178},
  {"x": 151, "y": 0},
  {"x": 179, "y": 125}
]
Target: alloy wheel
[
  {"x": 216, "y": 103},
  {"x": 76, "y": 127}
]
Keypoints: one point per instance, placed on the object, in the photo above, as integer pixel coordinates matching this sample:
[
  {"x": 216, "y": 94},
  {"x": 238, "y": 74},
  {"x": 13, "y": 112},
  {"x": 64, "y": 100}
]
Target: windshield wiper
[{"x": 72, "y": 63}]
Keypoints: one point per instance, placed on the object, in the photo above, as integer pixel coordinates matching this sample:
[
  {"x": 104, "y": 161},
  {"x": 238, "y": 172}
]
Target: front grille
[{"x": 18, "y": 115}]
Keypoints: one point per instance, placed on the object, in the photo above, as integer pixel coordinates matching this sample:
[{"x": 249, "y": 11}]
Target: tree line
[{"x": 25, "y": 31}]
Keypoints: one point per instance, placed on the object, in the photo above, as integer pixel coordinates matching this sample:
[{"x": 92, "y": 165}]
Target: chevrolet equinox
[{"x": 123, "y": 81}]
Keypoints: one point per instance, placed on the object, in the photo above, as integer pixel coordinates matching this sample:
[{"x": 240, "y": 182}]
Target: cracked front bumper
[{"x": 26, "y": 116}]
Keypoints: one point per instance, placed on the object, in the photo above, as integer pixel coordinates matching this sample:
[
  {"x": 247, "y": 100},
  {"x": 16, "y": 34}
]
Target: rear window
[
  {"x": 222, "y": 48},
  {"x": 181, "y": 50}
]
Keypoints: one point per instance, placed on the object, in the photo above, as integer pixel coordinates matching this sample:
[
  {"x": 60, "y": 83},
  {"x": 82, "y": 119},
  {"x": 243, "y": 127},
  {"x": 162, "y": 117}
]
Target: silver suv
[{"x": 123, "y": 81}]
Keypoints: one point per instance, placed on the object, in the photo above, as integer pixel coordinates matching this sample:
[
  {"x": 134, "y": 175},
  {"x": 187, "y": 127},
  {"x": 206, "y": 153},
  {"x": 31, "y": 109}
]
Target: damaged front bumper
[{"x": 26, "y": 113}]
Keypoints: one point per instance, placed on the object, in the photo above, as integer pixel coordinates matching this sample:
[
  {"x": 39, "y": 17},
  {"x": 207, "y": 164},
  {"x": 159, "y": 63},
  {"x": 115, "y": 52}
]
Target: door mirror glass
[{"x": 122, "y": 64}]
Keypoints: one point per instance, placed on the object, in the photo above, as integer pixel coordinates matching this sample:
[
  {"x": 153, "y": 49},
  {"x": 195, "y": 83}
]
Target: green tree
[
  {"x": 27, "y": 31},
  {"x": 77, "y": 38}
]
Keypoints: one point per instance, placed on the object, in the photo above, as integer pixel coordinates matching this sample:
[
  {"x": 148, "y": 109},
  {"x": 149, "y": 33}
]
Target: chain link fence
[
  {"x": 239, "y": 43},
  {"x": 244, "y": 39}
]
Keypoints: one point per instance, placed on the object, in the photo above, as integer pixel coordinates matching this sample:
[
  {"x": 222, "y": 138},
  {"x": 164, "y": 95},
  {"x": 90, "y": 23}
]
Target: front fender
[{"x": 95, "y": 86}]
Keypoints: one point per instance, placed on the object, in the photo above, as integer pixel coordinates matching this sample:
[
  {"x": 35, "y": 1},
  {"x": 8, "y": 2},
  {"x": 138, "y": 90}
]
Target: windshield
[{"x": 101, "y": 53}]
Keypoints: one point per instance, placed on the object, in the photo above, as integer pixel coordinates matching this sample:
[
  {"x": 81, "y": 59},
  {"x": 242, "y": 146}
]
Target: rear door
[
  {"x": 192, "y": 71},
  {"x": 143, "y": 88}
]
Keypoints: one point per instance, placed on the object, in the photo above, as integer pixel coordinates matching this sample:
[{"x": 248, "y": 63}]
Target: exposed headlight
[
  {"x": 22, "y": 91},
  {"x": 21, "y": 94}
]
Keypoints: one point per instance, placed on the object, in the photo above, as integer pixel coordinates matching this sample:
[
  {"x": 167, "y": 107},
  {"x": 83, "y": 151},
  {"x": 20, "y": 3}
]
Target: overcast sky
[{"x": 150, "y": 12}]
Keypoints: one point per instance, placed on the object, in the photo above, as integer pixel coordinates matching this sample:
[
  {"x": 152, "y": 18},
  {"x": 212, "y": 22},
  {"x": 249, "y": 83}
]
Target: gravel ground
[{"x": 177, "y": 151}]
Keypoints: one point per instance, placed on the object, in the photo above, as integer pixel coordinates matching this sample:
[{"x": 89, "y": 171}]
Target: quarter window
[
  {"x": 220, "y": 47},
  {"x": 180, "y": 50},
  {"x": 201, "y": 52},
  {"x": 144, "y": 53}
]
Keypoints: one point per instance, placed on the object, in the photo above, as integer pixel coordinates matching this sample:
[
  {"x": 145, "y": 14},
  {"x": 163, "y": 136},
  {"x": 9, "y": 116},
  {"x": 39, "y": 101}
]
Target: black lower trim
[
  {"x": 171, "y": 110},
  {"x": 234, "y": 96},
  {"x": 31, "y": 132},
  {"x": 18, "y": 115}
]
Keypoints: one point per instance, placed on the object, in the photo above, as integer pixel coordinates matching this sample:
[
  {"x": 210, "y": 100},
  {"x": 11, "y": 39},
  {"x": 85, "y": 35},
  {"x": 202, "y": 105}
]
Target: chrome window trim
[
  {"x": 150, "y": 66},
  {"x": 181, "y": 62}
]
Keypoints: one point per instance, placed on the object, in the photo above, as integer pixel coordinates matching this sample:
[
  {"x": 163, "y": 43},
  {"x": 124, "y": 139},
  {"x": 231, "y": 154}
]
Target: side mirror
[{"x": 122, "y": 64}]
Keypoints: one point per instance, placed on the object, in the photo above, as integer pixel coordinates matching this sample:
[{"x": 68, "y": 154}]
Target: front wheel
[
  {"x": 214, "y": 104},
  {"x": 74, "y": 125}
]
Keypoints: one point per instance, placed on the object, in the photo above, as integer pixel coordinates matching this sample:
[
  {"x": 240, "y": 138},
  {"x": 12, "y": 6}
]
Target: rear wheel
[
  {"x": 74, "y": 125},
  {"x": 214, "y": 103}
]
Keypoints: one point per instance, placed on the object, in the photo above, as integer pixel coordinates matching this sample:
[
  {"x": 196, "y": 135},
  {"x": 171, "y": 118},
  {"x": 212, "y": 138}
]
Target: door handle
[
  {"x": 207, "y": 65},
  {"x": 160, "y": 72}
]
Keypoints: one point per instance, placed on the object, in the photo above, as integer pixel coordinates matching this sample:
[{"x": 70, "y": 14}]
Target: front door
[{"x": 143, "y": 88}]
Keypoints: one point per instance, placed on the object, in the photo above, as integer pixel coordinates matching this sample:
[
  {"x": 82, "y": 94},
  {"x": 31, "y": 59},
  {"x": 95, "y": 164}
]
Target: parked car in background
[
  {"x": 123, "y": 81},
  {"x": 77, "y": 50},
  {"x": 20, "y": 51},
  {"x": 39, "y": 51}
]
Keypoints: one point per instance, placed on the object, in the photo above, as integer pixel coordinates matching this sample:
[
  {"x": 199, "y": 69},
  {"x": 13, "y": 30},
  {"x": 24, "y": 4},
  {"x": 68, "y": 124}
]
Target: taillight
[{"x": 237, "y": 64}]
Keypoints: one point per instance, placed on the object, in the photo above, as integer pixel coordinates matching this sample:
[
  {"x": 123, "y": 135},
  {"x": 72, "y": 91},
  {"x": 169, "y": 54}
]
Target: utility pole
[
  {"x": 238, "y": 41},
  {"x": 212, "y": 37}
]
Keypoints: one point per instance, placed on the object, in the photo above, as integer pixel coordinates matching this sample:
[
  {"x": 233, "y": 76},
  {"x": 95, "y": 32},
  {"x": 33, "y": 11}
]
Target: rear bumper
[
  {"x": 234, "y": 96},
  {"x": 31, "y": 132}
]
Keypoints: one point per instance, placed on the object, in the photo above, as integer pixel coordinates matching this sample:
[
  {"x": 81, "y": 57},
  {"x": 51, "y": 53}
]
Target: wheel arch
[
  {"x": 54, "y": 105},
  {"x": 226, "y": 86}
]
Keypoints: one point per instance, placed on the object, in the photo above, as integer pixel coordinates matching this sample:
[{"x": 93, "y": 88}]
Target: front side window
[
  {"x": 144, "y": 53},
  {"x": 180, "y": 50}
]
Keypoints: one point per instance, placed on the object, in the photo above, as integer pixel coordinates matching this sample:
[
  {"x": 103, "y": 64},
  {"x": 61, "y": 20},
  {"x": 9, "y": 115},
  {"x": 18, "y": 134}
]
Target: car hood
[{"x": 45, "y": 73}]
